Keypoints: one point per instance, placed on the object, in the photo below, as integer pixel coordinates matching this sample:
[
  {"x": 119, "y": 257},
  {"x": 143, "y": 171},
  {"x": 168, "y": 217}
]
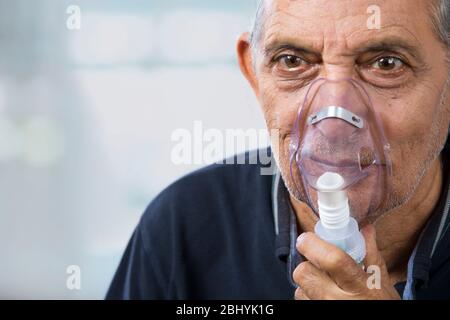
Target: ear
[{"x": 246, "y": 62}]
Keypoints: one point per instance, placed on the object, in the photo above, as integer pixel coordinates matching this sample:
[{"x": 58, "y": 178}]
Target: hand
[{"x": 330, "y": 273}]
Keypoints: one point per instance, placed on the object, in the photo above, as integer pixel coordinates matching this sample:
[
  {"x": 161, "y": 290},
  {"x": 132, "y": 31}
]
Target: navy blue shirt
[{"x": 228, "y": 232}]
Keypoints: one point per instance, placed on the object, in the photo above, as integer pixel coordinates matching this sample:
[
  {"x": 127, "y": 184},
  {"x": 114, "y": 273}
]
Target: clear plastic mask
[{"x": 338, "y": 130}]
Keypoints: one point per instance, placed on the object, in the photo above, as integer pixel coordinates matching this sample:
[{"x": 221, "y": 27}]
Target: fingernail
[{"x": 300, "y": 238}]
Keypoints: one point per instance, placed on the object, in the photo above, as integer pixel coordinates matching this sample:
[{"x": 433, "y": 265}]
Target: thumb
[{"x": 373, "y": 255}]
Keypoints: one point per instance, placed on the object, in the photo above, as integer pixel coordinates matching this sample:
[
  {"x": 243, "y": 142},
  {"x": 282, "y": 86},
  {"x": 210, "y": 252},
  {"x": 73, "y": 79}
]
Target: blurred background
[{"x": 87, "y": 111}]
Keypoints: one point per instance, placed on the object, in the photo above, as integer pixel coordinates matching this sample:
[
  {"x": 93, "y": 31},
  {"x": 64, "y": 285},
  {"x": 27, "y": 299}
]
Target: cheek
[
  {"x": 408, "y": 122},
  {"x": 280, "y": 108},
  {"x": 280, "y": 112}
]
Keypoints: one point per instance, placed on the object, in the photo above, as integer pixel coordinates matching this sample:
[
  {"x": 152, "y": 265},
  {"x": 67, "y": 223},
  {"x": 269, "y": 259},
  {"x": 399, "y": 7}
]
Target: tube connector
[
  {"x": 335, "y": 225},
  {"x": 332, "y": 201}
]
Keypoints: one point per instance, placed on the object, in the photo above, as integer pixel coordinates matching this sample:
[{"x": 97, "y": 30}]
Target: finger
[
  {"x": 300, "y": 294},
  {"x": 374, "y": 258},
  {"x": 373, "y": 255},
  {"x": 329, "y": 258},
  {"x": 315, "y": 283}
]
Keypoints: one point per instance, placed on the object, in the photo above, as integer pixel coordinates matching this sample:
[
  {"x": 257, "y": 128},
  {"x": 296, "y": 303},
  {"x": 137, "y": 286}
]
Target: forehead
[{"x": 331, "y": 20}]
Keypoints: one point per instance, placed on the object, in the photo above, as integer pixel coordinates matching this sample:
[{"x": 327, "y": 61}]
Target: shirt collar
[
  {"x": 281, "y": 209},
  {"x": 420, "y": 261},
  {"x": 285, "y": 227}
]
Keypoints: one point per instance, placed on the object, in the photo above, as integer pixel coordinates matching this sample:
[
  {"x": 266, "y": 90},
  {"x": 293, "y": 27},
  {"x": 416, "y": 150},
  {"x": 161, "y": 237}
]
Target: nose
[{"x": 339, "y": 93}]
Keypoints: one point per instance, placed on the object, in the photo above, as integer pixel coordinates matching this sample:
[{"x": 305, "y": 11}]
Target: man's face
[{"x": 403, "y": 65}]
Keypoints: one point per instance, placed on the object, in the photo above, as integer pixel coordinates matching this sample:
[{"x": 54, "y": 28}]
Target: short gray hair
[
  {"x": 440, "y": 19},
  {"x": 258, "y": 23}
]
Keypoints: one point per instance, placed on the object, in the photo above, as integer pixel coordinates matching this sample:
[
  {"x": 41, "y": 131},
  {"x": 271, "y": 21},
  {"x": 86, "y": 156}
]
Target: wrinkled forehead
[{"x": 345, "y": 19}]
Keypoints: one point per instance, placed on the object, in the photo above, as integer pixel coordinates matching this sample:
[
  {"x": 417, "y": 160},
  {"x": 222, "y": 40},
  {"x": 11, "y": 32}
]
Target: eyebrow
[
  {"x": 278, "y": 45},
  {"x": 387, "y": 44},
  {"x": 391, "y": 44}
]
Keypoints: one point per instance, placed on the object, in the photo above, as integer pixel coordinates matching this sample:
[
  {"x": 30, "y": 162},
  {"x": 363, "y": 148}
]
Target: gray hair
[
  {"x": 258, "y": 23},
  {"x": 440, "y": 19}
]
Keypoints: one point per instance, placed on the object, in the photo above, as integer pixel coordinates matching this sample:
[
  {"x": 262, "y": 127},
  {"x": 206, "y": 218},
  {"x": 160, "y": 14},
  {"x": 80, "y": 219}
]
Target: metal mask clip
[{"x": 336, "y": 112}]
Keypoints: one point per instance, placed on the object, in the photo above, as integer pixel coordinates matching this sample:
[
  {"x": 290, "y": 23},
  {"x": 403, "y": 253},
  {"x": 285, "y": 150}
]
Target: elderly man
[{"x": 229, "y": 232}]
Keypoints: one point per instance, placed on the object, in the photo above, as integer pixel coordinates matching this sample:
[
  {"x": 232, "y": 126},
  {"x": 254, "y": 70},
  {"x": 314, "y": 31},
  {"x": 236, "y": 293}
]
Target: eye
[
  {"x": 291, "y": 62},
  {"x": 292, "y": 70},
  {"x": 386, "y": 71},
  {"x": 388, "y": 64}
]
